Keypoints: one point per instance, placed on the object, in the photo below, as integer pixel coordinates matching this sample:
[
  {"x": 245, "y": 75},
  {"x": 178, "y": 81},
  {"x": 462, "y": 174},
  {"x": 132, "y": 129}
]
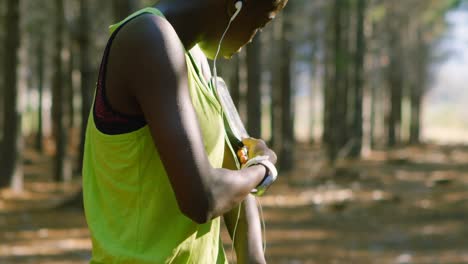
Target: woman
[{"x": 158, "y": 170}]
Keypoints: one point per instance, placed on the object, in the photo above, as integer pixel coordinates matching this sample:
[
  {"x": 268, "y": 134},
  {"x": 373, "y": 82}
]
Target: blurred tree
[
  {"x": 378, "y": 43},
  {"x": 61, "y": 167},
  {"x": 2, "y": 36},
  {"x": 254, "y": 100},
  {"x": 35, "y": 32},
  {"x": 395, "y": 81},
  {"x": 286, "y": 154},
  {"x": 314, "y": 36},
  {"x": 335, "y": 121},
  {"x": 373, "y": 77},
  {"x": 417, "y": 88},
  {"x": 276, "y": 94},
  {"x": 69, "y": 84},
  {"x": 40, "y": 64},
  {"x": 71, "y": 47},
  {"x": 314, "y": 86},
  {"x": 86, "y": 69},
  {"x": 11, "y": 155},
  {"x": 357, "y": 124},
  {"x": 234, "y": 83},
  {"x": 345, "y": 96},
  {"x": 421, "y": 33}
]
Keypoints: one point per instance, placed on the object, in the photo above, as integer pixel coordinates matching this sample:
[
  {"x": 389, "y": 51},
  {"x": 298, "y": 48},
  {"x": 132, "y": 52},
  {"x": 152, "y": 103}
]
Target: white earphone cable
[
  {"x": 215, "y": 75},
  {"x": 234, "y": 232},
  {"x": 263, "y": 224},
  {"x": 215, "y": 71}
]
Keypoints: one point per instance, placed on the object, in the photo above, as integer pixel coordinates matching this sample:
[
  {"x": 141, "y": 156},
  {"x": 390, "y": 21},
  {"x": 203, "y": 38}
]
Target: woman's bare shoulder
[
  {"x": 151, "y": 36},
  {"x": 149, "y": 47}
]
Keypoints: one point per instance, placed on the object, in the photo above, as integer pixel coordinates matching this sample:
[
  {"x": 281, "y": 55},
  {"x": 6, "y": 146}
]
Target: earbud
[{"x": 238, "y": 5}]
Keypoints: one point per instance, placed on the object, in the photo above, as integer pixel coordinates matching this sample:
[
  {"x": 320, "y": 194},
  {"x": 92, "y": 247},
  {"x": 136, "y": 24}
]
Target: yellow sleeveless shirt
[{"x": 130, "y": 207}]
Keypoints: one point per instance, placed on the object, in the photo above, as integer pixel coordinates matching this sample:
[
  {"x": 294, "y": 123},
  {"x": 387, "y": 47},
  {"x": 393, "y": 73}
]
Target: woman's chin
[{"x": 228, "y": 56}]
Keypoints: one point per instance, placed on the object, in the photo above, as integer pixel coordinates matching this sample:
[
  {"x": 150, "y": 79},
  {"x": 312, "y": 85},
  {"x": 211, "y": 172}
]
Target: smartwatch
[{"x": 270, "y": 176}]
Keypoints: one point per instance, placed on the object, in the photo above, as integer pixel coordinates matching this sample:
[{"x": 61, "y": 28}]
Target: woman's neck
[{"x": 186, "y": 20}]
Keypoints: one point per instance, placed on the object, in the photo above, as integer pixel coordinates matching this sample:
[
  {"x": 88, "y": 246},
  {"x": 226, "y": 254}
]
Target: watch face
[
  {"x": 264, "y": 185},
  {"x": 270, "y": 176}
]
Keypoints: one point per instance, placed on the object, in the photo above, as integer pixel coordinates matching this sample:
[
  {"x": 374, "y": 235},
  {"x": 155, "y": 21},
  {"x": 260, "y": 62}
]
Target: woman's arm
[
  {"x": 157, "y": 79},
  {"x": 248, "y": 237}
]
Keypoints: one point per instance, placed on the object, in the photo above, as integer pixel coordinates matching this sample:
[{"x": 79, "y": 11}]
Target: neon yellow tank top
[{"x": 130, "y": 206}]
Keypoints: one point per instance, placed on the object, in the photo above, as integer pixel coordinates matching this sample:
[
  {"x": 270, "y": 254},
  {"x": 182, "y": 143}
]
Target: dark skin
[
  {"x": 147, "y": 75},
  {"x": 248, "y": 238}
]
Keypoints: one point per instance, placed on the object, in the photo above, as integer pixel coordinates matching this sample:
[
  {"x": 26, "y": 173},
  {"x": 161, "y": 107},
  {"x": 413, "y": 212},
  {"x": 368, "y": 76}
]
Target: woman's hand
[{"x": 258, "y": 147}]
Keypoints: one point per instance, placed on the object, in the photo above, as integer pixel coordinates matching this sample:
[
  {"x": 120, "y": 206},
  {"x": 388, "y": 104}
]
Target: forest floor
[{"x": 408, "y": 205}]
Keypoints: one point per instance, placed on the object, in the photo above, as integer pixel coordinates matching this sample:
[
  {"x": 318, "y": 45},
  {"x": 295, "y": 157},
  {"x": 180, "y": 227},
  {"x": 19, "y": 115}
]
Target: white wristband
[
  {"x": 254, "y": 161},
  {"x": 270, "y": 177},
  {"x": 271, "y": 168}
]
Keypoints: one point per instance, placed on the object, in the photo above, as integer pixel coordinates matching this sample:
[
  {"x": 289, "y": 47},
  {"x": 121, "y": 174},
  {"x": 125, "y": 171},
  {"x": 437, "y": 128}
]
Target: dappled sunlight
[
  {"x": 445, "y": 256},
  {"x": 391, "y": 209},
  {"x": 45, "y": 248},
  {"x": 448, "y": 228},
  {"x": 425, "y": 204},
  {"x": 38, "y": 191},
  {"x": 311, "y": 197},
  {"x": 454, "y": 198},
  {"x": 47, "y": 187},
  {"x": 412, "y": 176},
  {"x": 317, "y": 251},
  {"x": 459, "y": 155},
  {"x": 290, "y": 235},
  {"x": 297, "y": 215},
  {"x": 37, "y": 195},
  {"x": 44, "y": 234}
]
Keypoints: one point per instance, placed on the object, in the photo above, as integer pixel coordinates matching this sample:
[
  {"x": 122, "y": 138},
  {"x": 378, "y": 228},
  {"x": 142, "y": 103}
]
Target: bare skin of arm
[
  {"x": 248, "y": 237},
  {"x": 154, "y": 77}
]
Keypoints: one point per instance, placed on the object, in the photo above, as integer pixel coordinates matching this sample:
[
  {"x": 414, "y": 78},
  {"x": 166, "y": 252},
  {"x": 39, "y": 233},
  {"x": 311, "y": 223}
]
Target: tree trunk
[
  {"x": 275, "y": 109},
  {"x": 395, "y": 83},
  {"x": 373, "y": 114},
  {"x": 416, "y": 96},
  {"x": 312, "y": 98},
  {"x": 286, "y": 161},
  {"x": 234, "y": 83},
  {"x": 254, "y": 98},
  {"x": 358, "y": 80},
  {"x": 335, "y": 96},
  {"x": 394, "y": 118},
  {"x": 2, "y": 42},
  {"x": 40, "y": 88},
  {"x": 11, "y": 157},
  {"x": 123, "y": 8},
  {"x": 417, "y": 90},
  {"x": 328, "y": 88},
  {"x": 61, "y": 168},
  {"x": 70, "y": 85},
  {"x": 344, "y": 100},
  {"x": 87, "y": 82}
]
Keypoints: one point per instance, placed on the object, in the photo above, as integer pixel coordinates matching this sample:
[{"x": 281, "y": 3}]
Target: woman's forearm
[
  {"x": 248, "y": 234},
  {"x": 230, "y": 187}
]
